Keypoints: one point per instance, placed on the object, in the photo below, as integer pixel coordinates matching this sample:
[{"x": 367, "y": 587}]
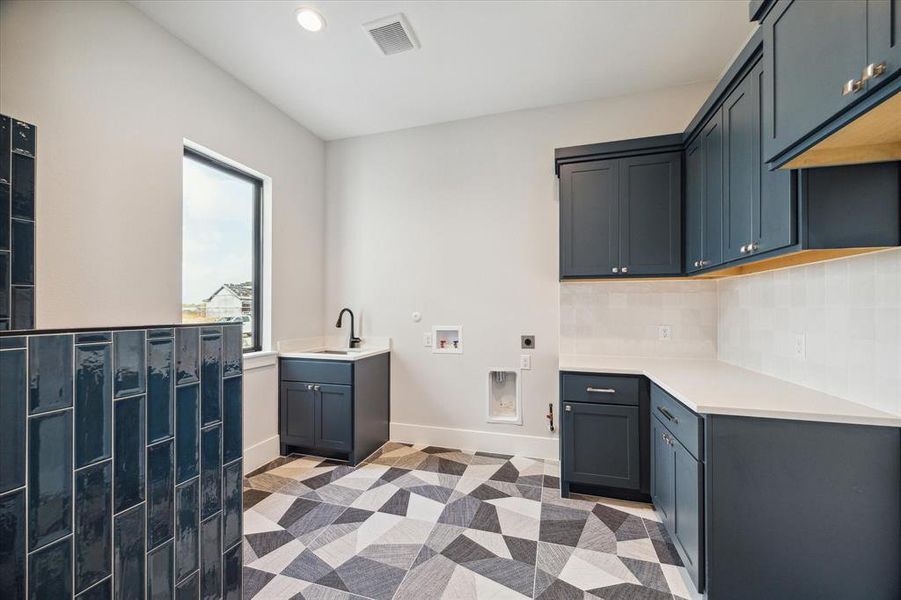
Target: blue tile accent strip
[
  {"x": 210, "y": 471},
  {"x": 231, "y": 350},
  {"x": 231, "y": 573},
  {"x": 4, "y": 286},
  {"x": 129, "y": 554},
  {"x": 22, "y": 187},
  {"x": 160, "y": 491},
  {"x": 187, "y": 352},
  {"x": 93, "y": 403},
  {"x": 128, "y": 463},
  {"x": 12, "y": 343},
  {"x": 50, "y": 372},
  {"x": 160, "y": 575},
  {"x": 101, "y": 591},
  {"x": 13, "y": 386},
  {"x": 94, "y": 337},
  {"x": 22, "y": 270},
  {"x": 232, "y": 489},
  {"x": 128, "y": 349},
  {"x": 22, "y": 307},
  {"x": 104, "y": 497},
  {"x": 187, "y": 527},
  {"x": 160, "y": 389},
  {"x": 93, "y": 522},
  {"x": 231, "y": 419},
  {"x": 189, "y": 588},
  {"x": 50, "y": 571},
  {"x": 211, "y": 382},
  {"x": 188, "y": 433},
  {"x": 211, "y": 559},
  {"x": 12, "y": 544},
  {"x": 49, "y": 478}
]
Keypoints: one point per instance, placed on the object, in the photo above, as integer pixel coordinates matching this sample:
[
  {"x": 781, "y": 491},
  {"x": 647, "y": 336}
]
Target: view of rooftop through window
[{"x": 219, "y": 247}]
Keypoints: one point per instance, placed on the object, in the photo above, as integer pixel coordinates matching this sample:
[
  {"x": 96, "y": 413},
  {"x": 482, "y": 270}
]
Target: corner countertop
[
  {"x": 311, "y": 348},
  {"x": 717, "y": 388}
]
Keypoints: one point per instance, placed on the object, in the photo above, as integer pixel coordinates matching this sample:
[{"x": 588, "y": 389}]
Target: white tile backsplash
[
  {"x": 849, "y": 311},
  {"x": 621, "y": 318}
]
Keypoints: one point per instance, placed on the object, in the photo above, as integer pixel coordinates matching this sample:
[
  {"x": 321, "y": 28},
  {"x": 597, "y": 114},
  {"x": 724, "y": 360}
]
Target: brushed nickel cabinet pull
[
  {"x": 872, "y": 71},
  {"x": 852, "y": 86},
  {"x": 670, "y": 416},
  {"x": 594, "y": 390}
]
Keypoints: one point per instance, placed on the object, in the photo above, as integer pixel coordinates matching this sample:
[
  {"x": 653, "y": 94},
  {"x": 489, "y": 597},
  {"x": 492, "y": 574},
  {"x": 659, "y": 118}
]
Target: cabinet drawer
[
  {"x": 318, "y": 371},
  {"x": 600, "y": 389},
  {"x": 685, "y": 425}
]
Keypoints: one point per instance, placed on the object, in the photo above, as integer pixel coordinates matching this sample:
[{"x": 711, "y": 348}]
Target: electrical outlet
[
  {"x": 664, "y": 333},
  {"x": 427, "y": 339},
  {"x": 525, "y": 362},
  {"x": 800, "y": 346}
]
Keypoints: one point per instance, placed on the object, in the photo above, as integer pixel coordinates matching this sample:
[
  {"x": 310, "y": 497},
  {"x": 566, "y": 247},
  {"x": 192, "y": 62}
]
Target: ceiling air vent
[{"x": 392, "y": 34}]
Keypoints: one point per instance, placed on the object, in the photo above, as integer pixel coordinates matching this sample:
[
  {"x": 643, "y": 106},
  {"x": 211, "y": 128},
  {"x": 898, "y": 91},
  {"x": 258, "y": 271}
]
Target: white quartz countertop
[
  {"x": 718, "y": 388},
  {"x": 313, "y": 348}
]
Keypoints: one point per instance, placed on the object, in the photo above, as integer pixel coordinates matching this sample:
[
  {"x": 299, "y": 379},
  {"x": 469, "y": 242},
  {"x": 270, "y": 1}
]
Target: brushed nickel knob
[
  {"x": 625, "y": 269},
  {"x": 615, "y": 269}
]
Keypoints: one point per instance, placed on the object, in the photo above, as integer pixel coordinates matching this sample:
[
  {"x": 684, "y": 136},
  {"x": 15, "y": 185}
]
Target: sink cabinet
[{"x": 331, "y": 408}]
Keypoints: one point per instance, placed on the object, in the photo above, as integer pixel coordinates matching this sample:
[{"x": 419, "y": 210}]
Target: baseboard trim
[
  {"x": 471, "y": 439},
  {"x": 260, "y": 453}
]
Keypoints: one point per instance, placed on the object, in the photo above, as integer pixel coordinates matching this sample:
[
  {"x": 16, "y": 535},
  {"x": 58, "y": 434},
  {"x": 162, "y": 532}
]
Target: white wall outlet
[
  {"x": 427, "y": 339},
  {"x": 664, "y": 333},
  {"x": 525, "y": 362},
  {"x": 799, "y": 349}
]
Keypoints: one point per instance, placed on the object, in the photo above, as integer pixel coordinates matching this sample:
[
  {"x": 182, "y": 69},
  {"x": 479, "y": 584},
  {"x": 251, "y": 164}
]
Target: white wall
[
  {"x": 113, "y": 95},
  {"x": 849, "y": 311},
  {"x": 622, "y": 318},
  {"x": 459, "y": 222}
]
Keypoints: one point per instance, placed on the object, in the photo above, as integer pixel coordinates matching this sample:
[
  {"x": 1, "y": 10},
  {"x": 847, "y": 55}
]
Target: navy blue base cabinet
[
  {"x": 336, "y": 409},
  {"x": 120, "y": 463},
  {"x": 604, "y": 435}
]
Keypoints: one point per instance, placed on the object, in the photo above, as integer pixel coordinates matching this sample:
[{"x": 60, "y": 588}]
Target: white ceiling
[{"x": 477, "y": 58}]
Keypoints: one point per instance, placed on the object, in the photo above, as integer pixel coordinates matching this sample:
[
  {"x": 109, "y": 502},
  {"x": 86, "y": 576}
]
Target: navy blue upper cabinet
[
  {"x": 704, "y": 197},
  {"x": 884, "y": 37},
  {"x": 820, "y": 59},
  {"x": 621, "y": 208},
  {"x": 589, "y": 211},
  {"x": 650, "y": 214},
  {"x": 741, "y": 127}
]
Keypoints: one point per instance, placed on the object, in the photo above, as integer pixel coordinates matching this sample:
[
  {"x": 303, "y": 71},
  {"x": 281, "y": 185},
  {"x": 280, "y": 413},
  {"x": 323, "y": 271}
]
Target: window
[{"x": 221, "y": 257}]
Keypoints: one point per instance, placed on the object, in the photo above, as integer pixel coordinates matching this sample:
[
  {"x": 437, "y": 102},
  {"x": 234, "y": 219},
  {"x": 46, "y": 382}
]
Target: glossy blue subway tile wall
[
  {"x": 17, "y": 224},
  {"x": 114, "y": 480}
]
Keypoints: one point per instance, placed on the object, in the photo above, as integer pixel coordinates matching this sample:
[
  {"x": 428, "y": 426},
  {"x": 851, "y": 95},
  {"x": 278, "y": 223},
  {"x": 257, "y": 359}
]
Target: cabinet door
[
  {"x": 742, "y": 162},
  {"x": 687, "y": 509},
  {"x": 600, "y": 445},
  {"x": 775, "y": 207},
  {"x": 712, "y": 138},
  {"x": 811, "y": 49},
  {"x": 650, "y": 214},
  {"x": 334, "y": 417},
  {"x": 694, "y": 206},
  {"x": 662, "y": 470},
  {"x": 297, "y": 403},
  {"x": 883, "y": 37},
  {"x": 589, "y": 207}
]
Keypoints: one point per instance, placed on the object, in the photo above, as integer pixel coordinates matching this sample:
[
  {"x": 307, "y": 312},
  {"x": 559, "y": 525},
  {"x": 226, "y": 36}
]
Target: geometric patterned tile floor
[{"x": 423, "y": 523}]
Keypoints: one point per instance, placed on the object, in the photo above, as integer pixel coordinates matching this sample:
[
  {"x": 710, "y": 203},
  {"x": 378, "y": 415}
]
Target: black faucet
[{"x": 354, "y": 340}]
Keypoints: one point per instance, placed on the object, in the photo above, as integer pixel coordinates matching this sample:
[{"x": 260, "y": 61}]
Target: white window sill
[{"x": 260, "y": 359}]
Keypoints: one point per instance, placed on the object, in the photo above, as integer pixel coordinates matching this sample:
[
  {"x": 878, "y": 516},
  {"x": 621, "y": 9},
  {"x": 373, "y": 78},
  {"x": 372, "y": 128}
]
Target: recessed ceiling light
[{"x": 309, "y": 19}]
